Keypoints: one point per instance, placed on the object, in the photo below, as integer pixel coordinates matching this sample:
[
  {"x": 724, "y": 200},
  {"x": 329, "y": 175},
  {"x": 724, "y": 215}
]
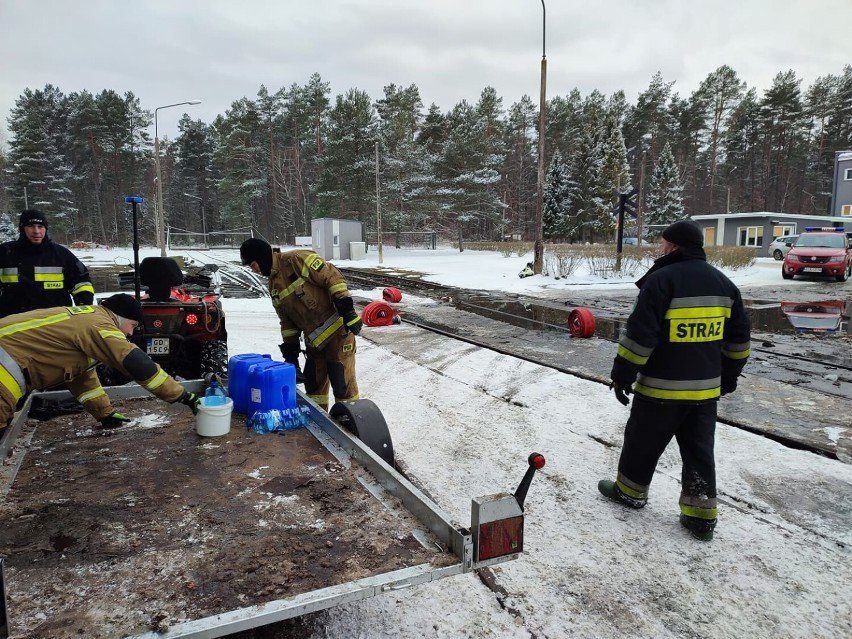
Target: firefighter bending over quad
[
  {"x": 311, "y": 297},
  {"x": 61, "y": 346}
]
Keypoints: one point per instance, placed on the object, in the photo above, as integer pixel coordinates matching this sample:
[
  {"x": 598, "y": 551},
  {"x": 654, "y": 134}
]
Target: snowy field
[{"x": 464, "y": 420}]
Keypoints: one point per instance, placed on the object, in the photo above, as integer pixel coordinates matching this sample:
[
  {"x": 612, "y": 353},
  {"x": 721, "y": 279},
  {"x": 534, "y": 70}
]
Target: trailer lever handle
[{"x": 536, "y": 462}]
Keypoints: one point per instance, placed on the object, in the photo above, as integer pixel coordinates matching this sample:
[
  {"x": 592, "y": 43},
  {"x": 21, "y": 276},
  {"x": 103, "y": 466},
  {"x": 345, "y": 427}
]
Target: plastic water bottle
[
  {"x": 214, "y": 395},
  {"x": 265, "y": 421}
]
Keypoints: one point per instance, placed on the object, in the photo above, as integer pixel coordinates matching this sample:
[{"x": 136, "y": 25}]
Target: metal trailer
[{"x": 495, "y": 535}]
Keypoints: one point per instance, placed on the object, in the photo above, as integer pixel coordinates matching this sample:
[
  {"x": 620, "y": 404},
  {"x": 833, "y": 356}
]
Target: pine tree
[
  {"x": 38, "y": 172},
  {"x": 347, "y": 183},
  {"x": 665, "y": 193},
  {"x": 520, "y": 170},
  {"x": 557, "y": 193}
]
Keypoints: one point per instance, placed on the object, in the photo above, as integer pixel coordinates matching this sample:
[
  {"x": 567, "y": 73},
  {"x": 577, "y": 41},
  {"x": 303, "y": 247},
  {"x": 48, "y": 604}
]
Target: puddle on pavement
[{"x": 767, "y": 316}]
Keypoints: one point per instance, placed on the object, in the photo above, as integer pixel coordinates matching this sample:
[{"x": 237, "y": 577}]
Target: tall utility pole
[
  {"x": 538, "y": 250},
  {"x": 161, "y": 216},
  {"x": 378, "y": 206},
  {"x": 640, "y": 206}
]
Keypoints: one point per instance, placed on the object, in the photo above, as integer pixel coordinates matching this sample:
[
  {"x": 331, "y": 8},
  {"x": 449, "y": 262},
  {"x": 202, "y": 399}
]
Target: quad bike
[{"x": 183, "y": 330}]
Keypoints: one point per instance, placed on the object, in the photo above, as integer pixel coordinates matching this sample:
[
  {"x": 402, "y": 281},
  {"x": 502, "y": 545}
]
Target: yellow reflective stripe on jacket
[
  {"x": 105, "y": 333},
  {"x": 48, "y": 274},
  {"x": 280, "y": 295},
  {"x": 9, "y": 275},
  {"x": 321, "y": 334},
  {"x": 736, "y": 351},
  {"x": 7, "y": 380},
  {"x": 289, "y": 333},
  {"x": 337, "y": 288},
  {"x": 631, "y": 357},
  {"x": 90, "y": 395},
  {"x": 11, "y": 375},
  {"x": 17, "y": 327},
  {"x": 83, "y": 287},
  {"x": 156, "y": 381},
  {"x": 698, "y": 311}
]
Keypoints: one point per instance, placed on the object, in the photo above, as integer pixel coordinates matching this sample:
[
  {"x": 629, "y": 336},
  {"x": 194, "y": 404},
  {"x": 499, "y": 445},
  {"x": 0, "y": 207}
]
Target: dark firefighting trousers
[
  {"x": 334, "y": 365},
  {"x": 649, "y": 430}
]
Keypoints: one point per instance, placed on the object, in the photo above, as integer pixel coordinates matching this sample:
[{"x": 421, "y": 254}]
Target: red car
[{"x": 819, "y": 251}]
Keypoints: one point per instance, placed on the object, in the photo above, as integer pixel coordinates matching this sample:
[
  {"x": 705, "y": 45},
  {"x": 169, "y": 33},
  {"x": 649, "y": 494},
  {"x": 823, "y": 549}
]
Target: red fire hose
[
  {"x": 379, "y": 314},
  {"x": 581, "y": 322},
  {"x": 391, "y": 294}
]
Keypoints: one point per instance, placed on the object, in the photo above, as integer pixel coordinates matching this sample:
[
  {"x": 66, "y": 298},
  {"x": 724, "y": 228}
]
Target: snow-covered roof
[{"x": 786, "y": 216}]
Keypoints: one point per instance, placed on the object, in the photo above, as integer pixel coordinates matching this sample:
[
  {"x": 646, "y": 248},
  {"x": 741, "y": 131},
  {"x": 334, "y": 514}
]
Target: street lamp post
[
  {"x": 161, "y": 216},
  {"x": 538, "y": 250},
  {"x": 203, "y": 217}
]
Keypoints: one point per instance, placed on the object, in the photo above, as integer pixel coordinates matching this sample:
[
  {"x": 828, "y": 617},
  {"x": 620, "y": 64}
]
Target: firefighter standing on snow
[
  {"x": 36, "y": 272},
  {"x": 311, "y": 297},
  {"x": 685, "y": 344},
  {"x": 61, "y": 346}
]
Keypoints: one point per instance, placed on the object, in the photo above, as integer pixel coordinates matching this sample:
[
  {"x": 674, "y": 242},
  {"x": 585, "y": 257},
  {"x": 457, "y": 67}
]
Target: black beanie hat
[
  {"x": 125, "y": 305},
  {"x": 685, "y": 233},
  {"x": 32, "y": 216},
  {"x": 255, "y": 250}
]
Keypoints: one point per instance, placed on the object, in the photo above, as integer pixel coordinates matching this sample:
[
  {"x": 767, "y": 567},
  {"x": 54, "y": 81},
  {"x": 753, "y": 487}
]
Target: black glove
[
  {"x": 114, "y": 420},
  {"x": 729, "y": 384},
  {"x": 351, "y": 319},
  {"x": 192, "y": 400},
  {"x": 290, "y": 351},
  {"x": 621, "y": 392}
]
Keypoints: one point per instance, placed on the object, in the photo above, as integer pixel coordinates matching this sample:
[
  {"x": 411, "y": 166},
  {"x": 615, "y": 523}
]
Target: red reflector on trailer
[
  {"x": 192, "y": 319},
  {"x": 502, "y": 537},
  {"x": 537, "y": 462}
]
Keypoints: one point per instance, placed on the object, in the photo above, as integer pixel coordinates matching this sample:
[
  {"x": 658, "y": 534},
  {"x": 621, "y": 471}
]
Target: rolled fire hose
[
  {"x": 581, "y": 322},
  {"x": 391, "y": 294},
  {"x": 379, "y": 314}
]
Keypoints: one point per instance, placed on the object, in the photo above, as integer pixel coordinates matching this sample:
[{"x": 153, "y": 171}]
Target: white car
[{"x": 781, "y": 245}]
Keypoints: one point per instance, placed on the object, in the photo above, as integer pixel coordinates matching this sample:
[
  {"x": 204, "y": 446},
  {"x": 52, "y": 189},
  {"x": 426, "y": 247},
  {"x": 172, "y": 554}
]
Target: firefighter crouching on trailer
[
  {"x": 36, "y": 272},
  {"x": 310, "y": 296},
  {"x": 685, "y": 344},
  {"x": 61, "y": 346}
]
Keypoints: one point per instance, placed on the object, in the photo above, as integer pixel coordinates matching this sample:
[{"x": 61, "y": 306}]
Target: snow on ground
[{"x": 464, "y": 420}]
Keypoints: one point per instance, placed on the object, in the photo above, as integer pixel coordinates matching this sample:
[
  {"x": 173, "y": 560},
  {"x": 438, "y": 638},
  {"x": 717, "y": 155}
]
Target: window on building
[
  {"x": 846, "y": 210},
  {"x": 783, "y": 229},
  {"x": 847, "y": 174},
  {"x": 750, "y": 235}
]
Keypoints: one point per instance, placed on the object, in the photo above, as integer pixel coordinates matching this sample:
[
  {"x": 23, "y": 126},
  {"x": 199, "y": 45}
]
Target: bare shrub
[
  {"x": 731, "y": 257},
  {"x": 561, "y": 263}
]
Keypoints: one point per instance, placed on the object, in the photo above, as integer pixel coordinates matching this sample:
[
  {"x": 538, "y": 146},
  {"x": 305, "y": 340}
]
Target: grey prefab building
[
  {"x": 760, "y": 228},
  {"x": 331, "y": 238},
  {"x": 841, "y": 193}
]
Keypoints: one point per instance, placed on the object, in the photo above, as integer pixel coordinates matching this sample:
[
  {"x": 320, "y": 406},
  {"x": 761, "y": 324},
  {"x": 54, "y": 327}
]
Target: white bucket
[{"x": 213, "y": 421}]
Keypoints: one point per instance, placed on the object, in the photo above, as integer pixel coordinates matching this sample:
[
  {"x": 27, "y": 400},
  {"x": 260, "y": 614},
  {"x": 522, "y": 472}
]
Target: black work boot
[
  {"x": 699, "y": 528},
  {"x": 610, "y": 490}
]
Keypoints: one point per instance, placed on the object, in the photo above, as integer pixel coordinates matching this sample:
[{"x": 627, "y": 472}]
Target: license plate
[
  {"x": 810, "y": 269},
  {"x": 158, "y": 346}
]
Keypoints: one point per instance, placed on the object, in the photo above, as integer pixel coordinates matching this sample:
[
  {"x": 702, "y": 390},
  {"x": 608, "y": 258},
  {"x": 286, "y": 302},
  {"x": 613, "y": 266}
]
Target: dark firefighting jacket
[
  {"x": 50, "y": 347},
  {"x": 687, "y": 332},
  {"x": 303, "y": 287},
  {"x": 41, "y": 276}
]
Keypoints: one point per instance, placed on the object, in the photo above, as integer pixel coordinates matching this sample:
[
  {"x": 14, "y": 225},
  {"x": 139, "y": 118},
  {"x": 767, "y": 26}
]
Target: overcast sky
[{"x": 219, "y": 51}]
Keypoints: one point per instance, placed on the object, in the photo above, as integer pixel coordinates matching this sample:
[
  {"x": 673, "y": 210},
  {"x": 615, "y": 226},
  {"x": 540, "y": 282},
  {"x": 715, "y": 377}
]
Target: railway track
[{"x": 777, "y": 394}]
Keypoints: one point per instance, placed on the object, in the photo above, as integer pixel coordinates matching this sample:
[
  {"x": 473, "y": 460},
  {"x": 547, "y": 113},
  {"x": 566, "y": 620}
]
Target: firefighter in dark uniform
[
  {"x": 685, "y": 344},
  {"x": 312, "y": 300},
  {"x": 61, "y": 346},
  {"x": 36, "y": 272}
]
